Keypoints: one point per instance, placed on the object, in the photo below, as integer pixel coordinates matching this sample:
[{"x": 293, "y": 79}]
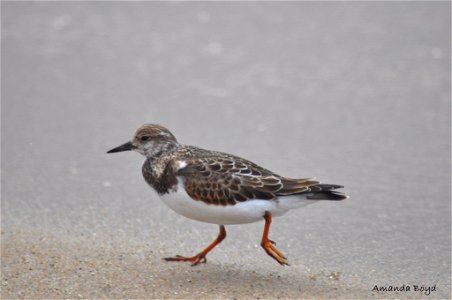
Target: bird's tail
[
  {"x": 323, "y": 191},
  {"x": 314, "y": 193}
]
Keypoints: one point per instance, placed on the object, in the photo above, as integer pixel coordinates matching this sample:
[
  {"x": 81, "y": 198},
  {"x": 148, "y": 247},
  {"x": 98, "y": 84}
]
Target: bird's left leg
[
  {"x": 269, "y": 245},
  {"x": 201, "y": 256}
]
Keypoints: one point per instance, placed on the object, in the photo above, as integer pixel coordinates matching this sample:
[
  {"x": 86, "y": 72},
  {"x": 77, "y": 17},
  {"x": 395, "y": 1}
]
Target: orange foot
[
  {"x": 195, "y": 260},
  {"x": 269, "y": 245},
  {"x": 271, "y": 250},
  {"x": 200, "y": 257}
]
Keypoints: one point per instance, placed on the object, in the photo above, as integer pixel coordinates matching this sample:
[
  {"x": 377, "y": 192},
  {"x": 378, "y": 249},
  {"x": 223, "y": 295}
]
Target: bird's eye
[{"x": 144, "y": 138}]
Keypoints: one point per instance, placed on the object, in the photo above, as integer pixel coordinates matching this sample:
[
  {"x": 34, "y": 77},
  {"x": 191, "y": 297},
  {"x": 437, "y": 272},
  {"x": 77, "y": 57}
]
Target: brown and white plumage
[
  {"x": 219, "y": 188},
  {"x": 227, "y": 179}
]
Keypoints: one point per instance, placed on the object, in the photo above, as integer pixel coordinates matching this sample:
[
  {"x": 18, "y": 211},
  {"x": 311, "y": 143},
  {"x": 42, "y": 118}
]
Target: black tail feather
[{"x": 326, "y": 192}]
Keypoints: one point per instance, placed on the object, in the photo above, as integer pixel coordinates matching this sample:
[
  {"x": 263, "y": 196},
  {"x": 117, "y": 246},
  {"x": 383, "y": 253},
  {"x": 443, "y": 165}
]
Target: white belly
[{"x": 242, "y": 212}]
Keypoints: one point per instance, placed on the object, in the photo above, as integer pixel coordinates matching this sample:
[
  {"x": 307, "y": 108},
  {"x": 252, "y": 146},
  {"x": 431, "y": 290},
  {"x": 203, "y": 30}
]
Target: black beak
[{"x": 124, "y": 147}]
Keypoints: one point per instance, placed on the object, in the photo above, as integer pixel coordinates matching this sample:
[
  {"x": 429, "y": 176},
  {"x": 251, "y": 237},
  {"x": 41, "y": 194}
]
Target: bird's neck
[
  {"x": 157, "y": 172},
  {"x": 160, "y": 150}
]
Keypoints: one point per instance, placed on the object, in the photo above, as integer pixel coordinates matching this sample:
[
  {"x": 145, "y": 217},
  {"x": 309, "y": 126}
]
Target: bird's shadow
[{"x": 233, "y": 280}]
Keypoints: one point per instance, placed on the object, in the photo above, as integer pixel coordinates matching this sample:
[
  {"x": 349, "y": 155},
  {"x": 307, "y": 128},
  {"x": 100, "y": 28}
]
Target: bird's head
[{"x": 150, "y": 140}]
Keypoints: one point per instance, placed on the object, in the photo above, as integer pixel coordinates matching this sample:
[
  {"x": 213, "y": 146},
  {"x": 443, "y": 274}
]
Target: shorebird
[{"x": 220, "y": 188}]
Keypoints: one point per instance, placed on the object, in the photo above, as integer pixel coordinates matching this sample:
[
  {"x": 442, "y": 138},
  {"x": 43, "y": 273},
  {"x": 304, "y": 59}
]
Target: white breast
[{"x": 242, "y": 212}]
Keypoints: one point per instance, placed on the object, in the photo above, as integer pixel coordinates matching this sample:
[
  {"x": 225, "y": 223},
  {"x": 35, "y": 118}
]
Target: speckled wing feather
[{"x": 227, "y": 180}]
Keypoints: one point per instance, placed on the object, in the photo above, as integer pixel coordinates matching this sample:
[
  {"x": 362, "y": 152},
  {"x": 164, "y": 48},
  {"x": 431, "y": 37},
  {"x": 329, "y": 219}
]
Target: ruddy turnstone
[{"x": 220, "y": 188}]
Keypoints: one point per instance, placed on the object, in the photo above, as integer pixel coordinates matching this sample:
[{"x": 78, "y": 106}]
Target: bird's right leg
[{"x": 269, "y": 245}]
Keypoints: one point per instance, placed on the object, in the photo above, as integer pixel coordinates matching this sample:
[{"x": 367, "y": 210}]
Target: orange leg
[
  {"x": 269, "y": 245},
  {"x": 201, "y": 256}
]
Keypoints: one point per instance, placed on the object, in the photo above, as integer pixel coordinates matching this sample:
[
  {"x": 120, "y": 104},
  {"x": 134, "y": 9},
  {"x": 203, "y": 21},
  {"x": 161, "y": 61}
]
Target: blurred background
[{"x": 353, "y": 93}]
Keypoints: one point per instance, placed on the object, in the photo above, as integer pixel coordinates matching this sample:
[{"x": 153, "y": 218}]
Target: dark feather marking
[
  {"x": 327, "y": 196},
  {"x": 162, "y": 184}
]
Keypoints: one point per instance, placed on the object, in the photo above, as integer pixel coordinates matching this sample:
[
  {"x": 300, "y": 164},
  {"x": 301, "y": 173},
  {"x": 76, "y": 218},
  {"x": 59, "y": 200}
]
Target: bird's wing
[{"x": 226, "y": 181}]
